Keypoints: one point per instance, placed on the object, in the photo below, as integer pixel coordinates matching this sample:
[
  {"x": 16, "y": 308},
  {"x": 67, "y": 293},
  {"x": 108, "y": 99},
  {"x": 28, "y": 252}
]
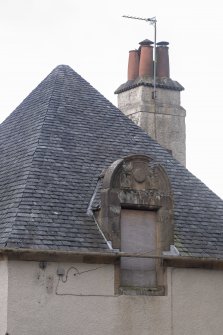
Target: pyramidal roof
[{"x": 53, "y": 148}]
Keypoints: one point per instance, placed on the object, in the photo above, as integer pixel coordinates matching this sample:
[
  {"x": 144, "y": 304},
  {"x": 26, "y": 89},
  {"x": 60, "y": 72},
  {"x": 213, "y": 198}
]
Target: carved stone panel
[{"x": 140, "y": 173}]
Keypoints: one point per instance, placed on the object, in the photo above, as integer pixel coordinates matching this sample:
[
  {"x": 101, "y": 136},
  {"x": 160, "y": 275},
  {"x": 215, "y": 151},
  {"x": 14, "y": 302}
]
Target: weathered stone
[{"x": 163, "y": 119}]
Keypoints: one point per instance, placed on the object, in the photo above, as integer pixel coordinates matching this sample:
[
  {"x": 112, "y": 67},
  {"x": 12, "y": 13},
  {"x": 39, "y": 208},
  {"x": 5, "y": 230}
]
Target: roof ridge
[{"x": 31, "y": 161}]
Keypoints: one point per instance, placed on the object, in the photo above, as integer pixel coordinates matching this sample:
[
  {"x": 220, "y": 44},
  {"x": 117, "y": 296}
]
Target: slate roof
[{"x": 54, "y": 146}]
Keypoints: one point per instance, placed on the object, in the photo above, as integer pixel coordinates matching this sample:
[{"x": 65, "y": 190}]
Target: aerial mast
[{"x": 152, "y": 21}]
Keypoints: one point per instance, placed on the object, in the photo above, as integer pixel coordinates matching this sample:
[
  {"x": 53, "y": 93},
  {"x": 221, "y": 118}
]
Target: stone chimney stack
[{"x": 162, "y": 118}]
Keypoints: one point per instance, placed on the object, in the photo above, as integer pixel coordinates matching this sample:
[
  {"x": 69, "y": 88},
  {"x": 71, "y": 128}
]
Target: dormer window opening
[{"x": 138, "y": 236}]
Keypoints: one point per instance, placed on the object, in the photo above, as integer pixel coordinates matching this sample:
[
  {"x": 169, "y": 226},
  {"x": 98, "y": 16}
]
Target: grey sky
[{"x": 94, "y": 39}]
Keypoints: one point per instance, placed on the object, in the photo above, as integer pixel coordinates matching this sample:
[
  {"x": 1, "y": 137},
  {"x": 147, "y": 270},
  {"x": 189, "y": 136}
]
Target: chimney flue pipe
[
  {"x": 146, "y": 58},
  {"x": 162, "y": 57},
  {"x": 133, "y": 65}
]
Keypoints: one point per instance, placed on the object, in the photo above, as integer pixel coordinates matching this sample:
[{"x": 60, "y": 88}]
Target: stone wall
[
  {"x": 3, "y": 295},
  {"x": 84, "y": 302}
]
